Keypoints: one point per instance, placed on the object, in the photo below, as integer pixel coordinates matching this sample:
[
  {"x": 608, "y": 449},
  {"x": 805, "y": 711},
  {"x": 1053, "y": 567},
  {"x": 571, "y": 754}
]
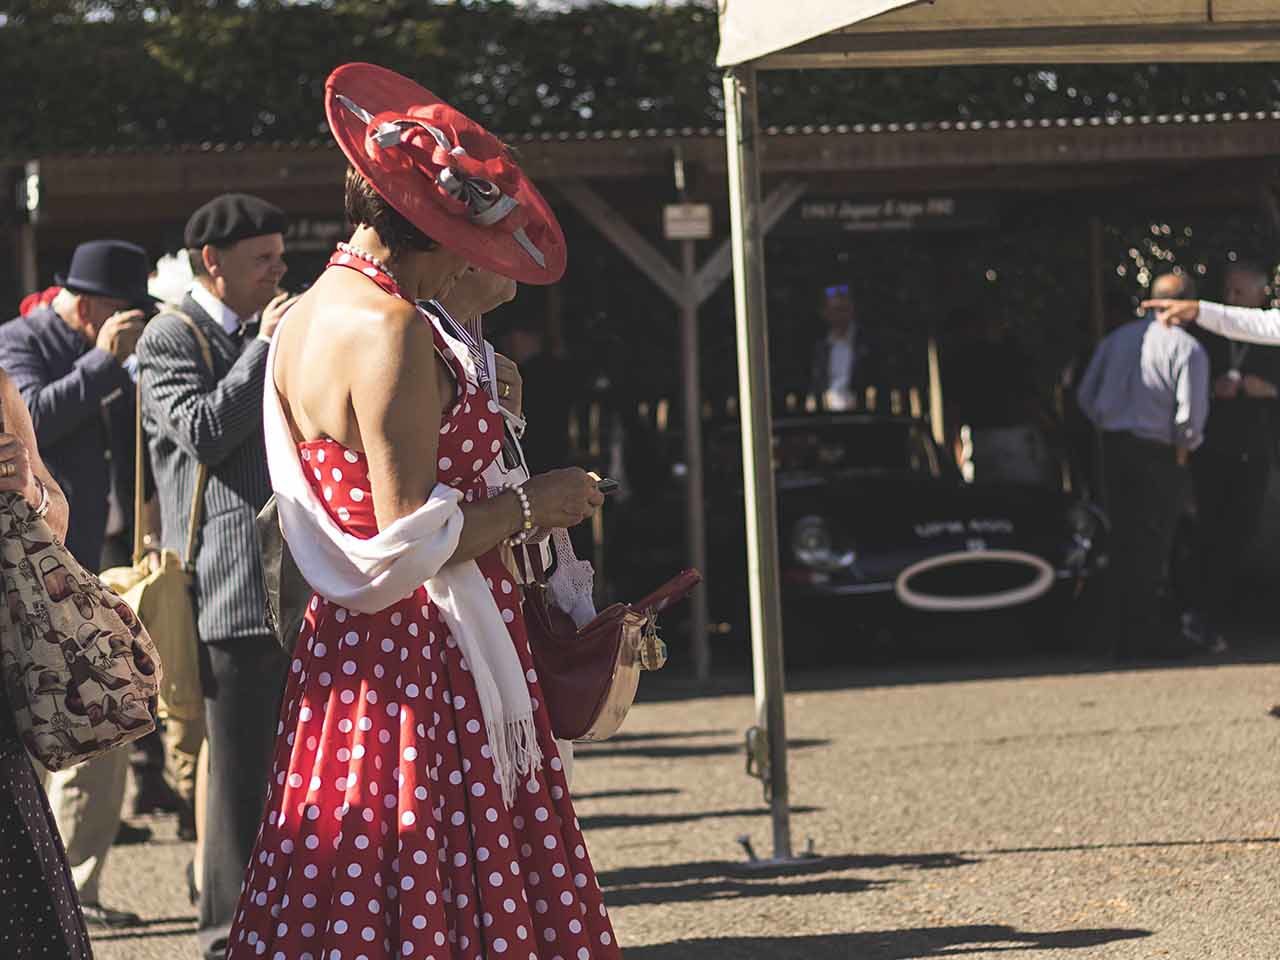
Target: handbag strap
[
  {"x": 202, "y": 470},
  {"x": 139, "y": 465}
]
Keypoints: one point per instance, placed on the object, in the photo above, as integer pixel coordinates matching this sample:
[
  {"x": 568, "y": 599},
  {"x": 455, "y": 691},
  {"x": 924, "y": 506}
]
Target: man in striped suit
[{"x": 195, "y": 415}]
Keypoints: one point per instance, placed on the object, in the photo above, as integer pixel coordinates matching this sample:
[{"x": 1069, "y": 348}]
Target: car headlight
[{"x": 812, "y": 544}]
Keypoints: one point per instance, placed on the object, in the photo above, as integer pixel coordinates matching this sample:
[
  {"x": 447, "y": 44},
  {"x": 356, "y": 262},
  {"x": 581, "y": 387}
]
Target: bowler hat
[{"x": 109, "y": 268}]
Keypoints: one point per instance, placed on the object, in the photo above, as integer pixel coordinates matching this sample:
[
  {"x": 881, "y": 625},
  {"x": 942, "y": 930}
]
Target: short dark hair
[
  {"x": 364, "y": 206},
  {"x": 195, "y": 257}
]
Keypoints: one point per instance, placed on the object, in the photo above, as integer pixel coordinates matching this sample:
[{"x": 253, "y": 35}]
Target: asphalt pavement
[{"x": 1032, "y": 808}]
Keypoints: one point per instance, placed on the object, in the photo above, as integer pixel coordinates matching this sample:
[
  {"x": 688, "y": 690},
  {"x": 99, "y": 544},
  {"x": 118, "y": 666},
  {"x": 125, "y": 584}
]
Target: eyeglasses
[{"x": 839, "y": 290}]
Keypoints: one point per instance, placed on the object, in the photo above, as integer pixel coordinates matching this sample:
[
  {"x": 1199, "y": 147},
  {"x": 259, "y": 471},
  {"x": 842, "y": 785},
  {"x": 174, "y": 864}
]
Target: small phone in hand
[{"x": 607, "y": 486}]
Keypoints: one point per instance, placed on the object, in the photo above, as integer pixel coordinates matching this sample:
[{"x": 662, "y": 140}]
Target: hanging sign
[
  {"x": 817, "y": 215},
  {"x": 312, "y": 235},
  {"x": 686, "y": 221}
]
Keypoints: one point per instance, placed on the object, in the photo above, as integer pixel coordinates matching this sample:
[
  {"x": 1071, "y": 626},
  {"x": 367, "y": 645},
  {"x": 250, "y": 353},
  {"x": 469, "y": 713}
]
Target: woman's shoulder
[
  {"x": 387, "y": 340},
  {"x": 393, "y": 323}
]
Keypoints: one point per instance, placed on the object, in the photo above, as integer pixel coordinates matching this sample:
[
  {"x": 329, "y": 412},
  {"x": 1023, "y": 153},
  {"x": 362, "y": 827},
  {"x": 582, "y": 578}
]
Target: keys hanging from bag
[{"x": 589, "y": 676}]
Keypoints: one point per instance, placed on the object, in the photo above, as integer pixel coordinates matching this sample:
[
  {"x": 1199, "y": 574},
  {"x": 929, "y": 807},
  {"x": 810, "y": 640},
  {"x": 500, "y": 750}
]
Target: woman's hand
[
  {"x": 16, "y": 474},
  {"x": 562, "y": 498},
  {"x": 510, "y": 384}
]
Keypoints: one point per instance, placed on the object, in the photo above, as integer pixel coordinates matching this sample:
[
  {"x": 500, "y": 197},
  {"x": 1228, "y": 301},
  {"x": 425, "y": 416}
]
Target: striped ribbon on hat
[{"x": 485, "y": 202}]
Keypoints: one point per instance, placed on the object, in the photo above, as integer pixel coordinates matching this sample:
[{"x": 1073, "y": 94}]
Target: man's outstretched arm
[{"x": 1235, "y": 323}]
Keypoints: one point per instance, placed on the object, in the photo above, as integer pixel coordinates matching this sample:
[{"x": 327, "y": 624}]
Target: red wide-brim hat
[{"x": 449, "y": 176}]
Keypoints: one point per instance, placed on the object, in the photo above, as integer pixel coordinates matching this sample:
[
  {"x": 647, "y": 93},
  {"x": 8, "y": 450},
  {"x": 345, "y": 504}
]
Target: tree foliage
[{"x": 99, "y": 73}]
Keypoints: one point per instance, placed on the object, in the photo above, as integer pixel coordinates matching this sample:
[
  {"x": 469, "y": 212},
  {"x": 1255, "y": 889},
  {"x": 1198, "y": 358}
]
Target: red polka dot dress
[{"x": 385, "y": 833}]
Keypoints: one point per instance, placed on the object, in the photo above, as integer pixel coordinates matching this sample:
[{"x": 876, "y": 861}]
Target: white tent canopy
[
  {"x": 799, "y": 34},
  {"x": 906, "y": 33}
]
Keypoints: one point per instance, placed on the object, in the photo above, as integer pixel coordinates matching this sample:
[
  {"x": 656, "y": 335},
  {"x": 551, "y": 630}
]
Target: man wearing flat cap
[
  {"x": 69, "y": 359},
  {"x": 196, "y": 413}
]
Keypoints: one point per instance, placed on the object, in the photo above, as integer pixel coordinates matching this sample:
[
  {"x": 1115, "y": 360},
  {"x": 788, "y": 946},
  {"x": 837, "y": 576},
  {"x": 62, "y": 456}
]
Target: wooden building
[{"x": 825, "y": 182}]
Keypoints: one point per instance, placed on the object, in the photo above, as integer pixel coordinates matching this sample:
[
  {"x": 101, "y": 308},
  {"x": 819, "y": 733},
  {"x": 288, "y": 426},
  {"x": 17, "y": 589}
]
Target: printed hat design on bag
[
  {"x": 80, "y": 684},
  {"x": 449, "y": 176}
]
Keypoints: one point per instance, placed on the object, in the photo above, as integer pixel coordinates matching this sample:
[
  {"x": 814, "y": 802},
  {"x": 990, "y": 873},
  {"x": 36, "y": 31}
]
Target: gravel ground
[{"x": 1056, "y": 810}]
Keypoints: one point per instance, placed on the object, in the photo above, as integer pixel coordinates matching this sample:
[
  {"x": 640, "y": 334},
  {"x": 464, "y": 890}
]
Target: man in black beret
[
  {"x": 202, "y": 372},
  {"x": 71, "y": 362}
]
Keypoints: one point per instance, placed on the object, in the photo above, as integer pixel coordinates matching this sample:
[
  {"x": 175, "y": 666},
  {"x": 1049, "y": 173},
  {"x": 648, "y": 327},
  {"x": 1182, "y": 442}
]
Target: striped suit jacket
[{"x": 192, "y": 415}]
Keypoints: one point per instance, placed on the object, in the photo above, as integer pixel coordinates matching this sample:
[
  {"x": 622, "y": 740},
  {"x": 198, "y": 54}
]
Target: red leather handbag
[{"x": 589, "y": 676}]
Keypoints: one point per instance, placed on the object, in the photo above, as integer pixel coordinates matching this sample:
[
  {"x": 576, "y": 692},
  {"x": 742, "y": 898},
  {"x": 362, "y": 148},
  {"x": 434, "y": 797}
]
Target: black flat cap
[{"x": 231, "y": 218}]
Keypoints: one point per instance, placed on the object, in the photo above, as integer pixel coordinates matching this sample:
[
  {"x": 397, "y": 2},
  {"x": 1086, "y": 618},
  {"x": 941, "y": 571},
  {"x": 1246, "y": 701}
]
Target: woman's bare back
[{"x": 326, "y": 328}]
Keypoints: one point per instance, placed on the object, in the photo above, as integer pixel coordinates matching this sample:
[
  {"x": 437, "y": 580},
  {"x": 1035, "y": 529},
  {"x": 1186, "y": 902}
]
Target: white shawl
[{"x": 368, "y": 576}]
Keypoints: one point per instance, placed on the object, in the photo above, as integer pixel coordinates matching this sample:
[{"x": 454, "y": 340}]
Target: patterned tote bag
[{"x": 79, "y": 669}]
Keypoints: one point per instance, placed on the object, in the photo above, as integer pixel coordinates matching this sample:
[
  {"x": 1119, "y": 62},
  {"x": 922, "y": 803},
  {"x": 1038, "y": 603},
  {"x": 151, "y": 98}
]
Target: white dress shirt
[
  {"x": 1245, "y": 324},
  {"x": 218, "y": 311},
  {"x": 839, "y": 393}
]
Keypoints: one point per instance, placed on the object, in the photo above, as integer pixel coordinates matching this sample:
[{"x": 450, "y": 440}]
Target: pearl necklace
[{"x": 368, "y": 258}]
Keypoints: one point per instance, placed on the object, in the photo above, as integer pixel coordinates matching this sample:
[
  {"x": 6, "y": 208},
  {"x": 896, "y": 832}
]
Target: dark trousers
[
  {"x": 1230, "y": 494},
  {"x": 243, "y": 681},
  {"x": 1146, "y": 493}
]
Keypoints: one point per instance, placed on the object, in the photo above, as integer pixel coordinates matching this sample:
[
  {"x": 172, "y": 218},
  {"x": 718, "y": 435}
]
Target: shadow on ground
[
  {"x": 914, "y": 944},
  {"x": 667, "y": 735},
  {"x": 705, "y": 869},
  {"x": 673, "y": 752},
  {"x": 1139, "y": 845},
  {"x": 722, "y": 880},
  {"x": 627, "y": 794},
  {"x": 148, "y": 930},
  {"x": 605, "y": 821}
]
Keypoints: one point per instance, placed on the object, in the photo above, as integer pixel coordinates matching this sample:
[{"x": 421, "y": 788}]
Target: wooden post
[
  {"x": 1097, "y": 330},
  {"x": 695, "y": 520},
  {"x": 687, "y": 288},
  {"x": 25, "y": 262},
  {"x": 936, "y": 407},
  {"x": 1097, "y": 281},
  {"x": 742, "y": 141}
]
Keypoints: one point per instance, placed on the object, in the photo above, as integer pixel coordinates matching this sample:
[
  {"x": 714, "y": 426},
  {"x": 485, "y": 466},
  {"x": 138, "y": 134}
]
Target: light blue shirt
[{"x": 1151, "y": 381}]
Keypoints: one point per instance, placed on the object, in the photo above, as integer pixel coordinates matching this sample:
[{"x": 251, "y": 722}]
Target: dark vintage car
[{"x": 876, "y": 527}]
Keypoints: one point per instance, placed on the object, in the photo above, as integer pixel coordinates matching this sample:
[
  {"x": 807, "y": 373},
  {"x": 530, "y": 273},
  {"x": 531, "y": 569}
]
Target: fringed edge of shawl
[{"x": 516, "y": 753}]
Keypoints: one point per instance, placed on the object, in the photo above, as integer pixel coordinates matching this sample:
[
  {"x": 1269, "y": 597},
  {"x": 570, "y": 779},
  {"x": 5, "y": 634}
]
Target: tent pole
[
  {"x": 695, "y": 484},
  {"x": 741, "y": 138}
]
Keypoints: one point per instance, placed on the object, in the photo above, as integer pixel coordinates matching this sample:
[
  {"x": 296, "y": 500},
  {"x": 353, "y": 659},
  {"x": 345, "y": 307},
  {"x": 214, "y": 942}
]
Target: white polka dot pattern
[
  {"x": 385, "y": 834},
  {"x": 41, "y": 917}
]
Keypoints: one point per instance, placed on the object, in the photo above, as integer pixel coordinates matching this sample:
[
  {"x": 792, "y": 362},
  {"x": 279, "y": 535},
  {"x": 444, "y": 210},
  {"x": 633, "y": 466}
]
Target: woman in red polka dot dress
[{"x": 387, "y": 832}]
